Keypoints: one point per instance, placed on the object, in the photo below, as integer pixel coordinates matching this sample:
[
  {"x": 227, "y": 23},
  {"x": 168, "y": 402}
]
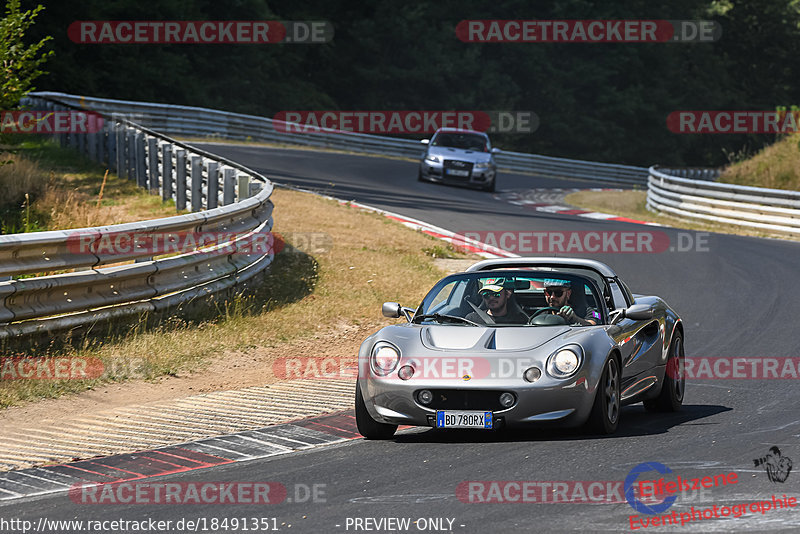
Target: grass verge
[{"x": 776, "y": 167}]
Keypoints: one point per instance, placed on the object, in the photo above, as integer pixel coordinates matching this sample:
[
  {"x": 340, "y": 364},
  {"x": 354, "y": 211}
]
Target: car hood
[
  {"x": 458, "y": 153},
  {"x": 481, "y": 339}
]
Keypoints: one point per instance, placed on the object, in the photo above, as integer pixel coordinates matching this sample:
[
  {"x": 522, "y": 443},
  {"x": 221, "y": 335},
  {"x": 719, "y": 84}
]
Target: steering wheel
[{"x": 541, "y": 311}]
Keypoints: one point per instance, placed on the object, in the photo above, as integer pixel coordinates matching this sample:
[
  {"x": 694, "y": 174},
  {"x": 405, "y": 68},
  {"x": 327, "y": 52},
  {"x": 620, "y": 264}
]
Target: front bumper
[
  {"x": 435, "y": 172},
  {"x": 547, "y": 401}
]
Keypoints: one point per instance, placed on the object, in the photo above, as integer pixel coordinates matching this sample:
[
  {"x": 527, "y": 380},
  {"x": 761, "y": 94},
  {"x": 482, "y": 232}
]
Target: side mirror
[
  {"x": 391, "y": 309},
  {"x": 496, "y": 150},
  {"x": 425, "y": 141},
  {"x": 640, "y": 312}
]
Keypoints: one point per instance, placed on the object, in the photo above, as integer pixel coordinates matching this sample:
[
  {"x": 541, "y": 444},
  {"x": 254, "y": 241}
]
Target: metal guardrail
[
  {"x": 201, "y": 122},
  {"x": 99, "y": 287},
  {"x": 774, "y": 210}
]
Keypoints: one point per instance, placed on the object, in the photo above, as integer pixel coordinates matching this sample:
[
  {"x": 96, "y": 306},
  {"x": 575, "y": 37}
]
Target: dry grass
[
  {"x": 19, "y": 175},
  {"x": 64, "y": 190},
  {"x": 776, "y": 167},
  {"x": 372, "y": 260},
  {"x": 72, "y": 203},
  {"x": 633, "y": 204}
]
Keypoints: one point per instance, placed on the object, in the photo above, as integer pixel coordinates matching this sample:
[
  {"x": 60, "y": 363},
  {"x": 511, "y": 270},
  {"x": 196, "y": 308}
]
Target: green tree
[{"x": 19, "y": 62}]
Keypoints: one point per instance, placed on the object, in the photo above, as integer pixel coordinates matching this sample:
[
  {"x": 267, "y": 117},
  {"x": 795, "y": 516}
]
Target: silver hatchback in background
[{"x": 459, "y": 157}]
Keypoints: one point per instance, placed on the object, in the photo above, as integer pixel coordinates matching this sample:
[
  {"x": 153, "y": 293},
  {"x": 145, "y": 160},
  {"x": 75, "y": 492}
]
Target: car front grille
[
  {"x": 458, "y": 166},
  {"x": 463, "y": 399}
]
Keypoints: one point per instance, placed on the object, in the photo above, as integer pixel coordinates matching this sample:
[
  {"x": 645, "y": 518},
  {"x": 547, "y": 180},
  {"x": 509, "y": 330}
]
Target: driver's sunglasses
[
  {"x": 555, "y": 292},
  {"x": 487, "y": 294}
]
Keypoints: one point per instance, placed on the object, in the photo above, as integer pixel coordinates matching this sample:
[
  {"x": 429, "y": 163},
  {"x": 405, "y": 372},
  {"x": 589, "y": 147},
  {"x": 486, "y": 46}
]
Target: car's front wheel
[
  {"x": 490, "y": 186},
  {"x": 671, "y": 397},
  {"x": 367, "y": 426},
  {"x": 604, "y": 418},
  {"x": 419, "y": 176}
]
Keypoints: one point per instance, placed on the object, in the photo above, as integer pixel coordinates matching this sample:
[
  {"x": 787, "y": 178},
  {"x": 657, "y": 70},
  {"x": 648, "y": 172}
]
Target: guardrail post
[
  {"x": 212, "y": 195},
  {"x": 180, "y": 179},
  {"x": 152, "y": 167},
  {"x": 166, "y": 171},
  {"x": 130, "y": 153},
  {"x": 197, "y": 183},
  {"x": 229, "y": 177},
  {"x": 111, "y": 145},
  {"x": 102, "y": 153},
  {"x": 119, "y": 137},
  {"x": 91, "y": 145},
  {"x": 141, "y": 161},
  {"x": 80, "y": 143},
  {"x": 243, "y": 187}
]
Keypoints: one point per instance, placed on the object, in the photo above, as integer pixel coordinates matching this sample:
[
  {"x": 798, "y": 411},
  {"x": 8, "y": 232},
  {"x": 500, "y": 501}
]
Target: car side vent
[{"x": 490, "y": 343}]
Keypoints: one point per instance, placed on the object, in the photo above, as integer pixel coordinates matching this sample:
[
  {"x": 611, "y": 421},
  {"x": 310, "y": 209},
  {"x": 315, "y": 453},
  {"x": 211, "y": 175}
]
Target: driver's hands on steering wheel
[{"x": 569, "y": 314}]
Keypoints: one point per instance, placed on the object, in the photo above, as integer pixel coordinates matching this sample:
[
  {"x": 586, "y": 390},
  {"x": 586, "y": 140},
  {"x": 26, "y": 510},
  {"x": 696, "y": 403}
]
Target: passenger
[
  {"x": 557, "y": 293},
  {"x": 501, "y": 306}
]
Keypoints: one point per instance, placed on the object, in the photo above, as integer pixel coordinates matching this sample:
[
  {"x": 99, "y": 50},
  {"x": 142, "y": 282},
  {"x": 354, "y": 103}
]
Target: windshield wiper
[{"x": 442, "y": 318}]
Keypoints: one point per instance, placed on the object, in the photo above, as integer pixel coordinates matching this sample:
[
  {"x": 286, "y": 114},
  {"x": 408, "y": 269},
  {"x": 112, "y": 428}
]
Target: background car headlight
[
  {"x": 385, "y": 358},
  {"x": 565, "y": 362},
  {"x": 432, "y": 159},
  {"x": 482, "y": 165}
]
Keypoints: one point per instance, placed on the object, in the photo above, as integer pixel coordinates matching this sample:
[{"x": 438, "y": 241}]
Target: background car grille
[
  {"x": 457, "y": 165},
  {"x": 462, "y": 399}
]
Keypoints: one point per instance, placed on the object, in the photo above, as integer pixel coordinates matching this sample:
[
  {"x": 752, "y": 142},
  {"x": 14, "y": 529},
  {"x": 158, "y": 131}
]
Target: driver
[
  {"x": 496, "y": 297},
  {"x": 557, "y": 294}
]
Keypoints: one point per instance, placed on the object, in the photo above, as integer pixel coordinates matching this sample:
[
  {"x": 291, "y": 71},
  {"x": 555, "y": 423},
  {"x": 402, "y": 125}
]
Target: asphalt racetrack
[{"x": 737, "y": 296}]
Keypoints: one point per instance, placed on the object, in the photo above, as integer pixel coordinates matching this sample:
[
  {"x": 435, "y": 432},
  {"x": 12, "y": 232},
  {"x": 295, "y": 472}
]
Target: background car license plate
[
  {"x": 456, "y": 172},
  {"x": 460, "y": 419}
]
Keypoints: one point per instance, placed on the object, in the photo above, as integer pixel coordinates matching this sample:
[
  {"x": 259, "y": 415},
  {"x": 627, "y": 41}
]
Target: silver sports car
[
  {"x": 459, "y": 157},
  {"x": 521, "y": 342}
]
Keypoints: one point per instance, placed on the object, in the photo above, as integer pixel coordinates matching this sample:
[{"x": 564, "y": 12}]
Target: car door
[{"x": 639, "y": 341}]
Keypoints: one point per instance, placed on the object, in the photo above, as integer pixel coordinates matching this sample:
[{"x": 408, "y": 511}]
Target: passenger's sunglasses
[
  {"x": 555, "y": 292},
  {"x": 487, "y": 294}
]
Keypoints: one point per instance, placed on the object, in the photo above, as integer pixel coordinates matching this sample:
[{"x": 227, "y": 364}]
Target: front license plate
[
  {"x": 459, "y": 419},
  {"x": 456, "y": 172}
]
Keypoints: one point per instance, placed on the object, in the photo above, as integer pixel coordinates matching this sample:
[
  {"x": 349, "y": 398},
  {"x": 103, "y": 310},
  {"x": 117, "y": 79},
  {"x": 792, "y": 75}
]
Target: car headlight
[
  {"x": 432, "y": 159},
  {"x": 565, "y": 362},
  {"x": 385, "y": 358},
  {"x": 482, "y": 165}
]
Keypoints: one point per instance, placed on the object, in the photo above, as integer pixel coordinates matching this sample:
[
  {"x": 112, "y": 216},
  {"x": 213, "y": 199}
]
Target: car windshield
[
  {"x": 465, "y": 141},
  {"x": 512, "y": 298}
]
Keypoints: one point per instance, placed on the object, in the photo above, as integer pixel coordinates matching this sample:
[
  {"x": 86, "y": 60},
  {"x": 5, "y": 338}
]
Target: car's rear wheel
[
  {"x": 367, "y": 426},
  {"x": 671, "y": 397},
  {"x": 604, "y": 418}
]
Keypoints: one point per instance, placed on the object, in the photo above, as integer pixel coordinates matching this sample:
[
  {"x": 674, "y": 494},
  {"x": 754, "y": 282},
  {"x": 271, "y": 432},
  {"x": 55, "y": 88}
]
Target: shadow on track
[{"x": 635, "y": 422}]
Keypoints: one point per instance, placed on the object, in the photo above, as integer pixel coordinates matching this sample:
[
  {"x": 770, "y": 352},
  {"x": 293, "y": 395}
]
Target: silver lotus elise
[{"x": 521, "y": 342}]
